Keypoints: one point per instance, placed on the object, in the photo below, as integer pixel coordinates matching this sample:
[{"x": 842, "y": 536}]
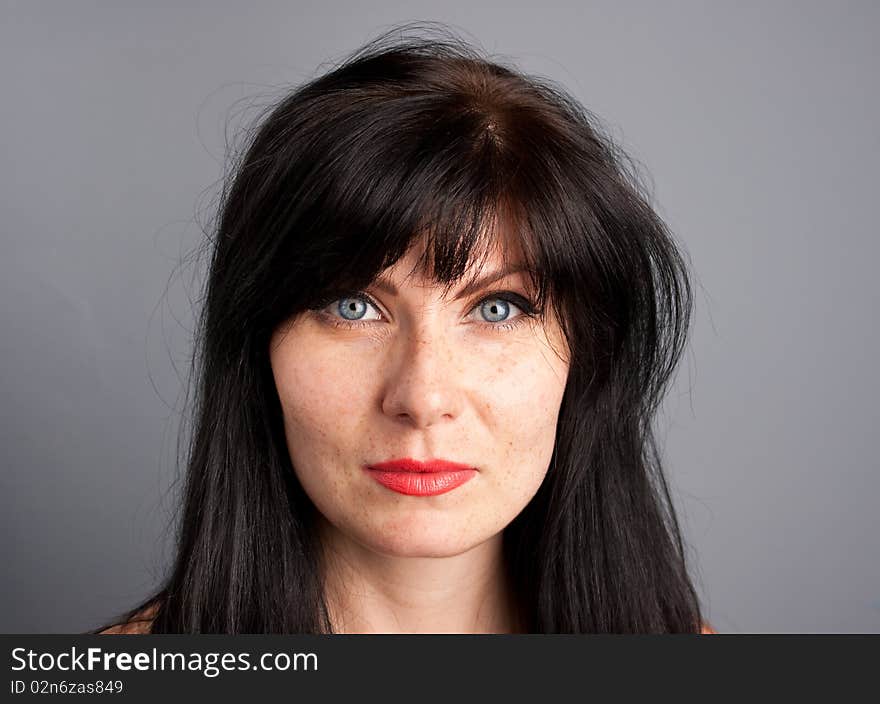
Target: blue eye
[
  {"x": 350, "y": 311},
  {"x": 495, "y": 309},
  {"x": 353, "y": 305}
]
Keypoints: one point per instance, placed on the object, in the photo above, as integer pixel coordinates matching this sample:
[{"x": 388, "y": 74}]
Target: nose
[{"x": 422, "y": 380}]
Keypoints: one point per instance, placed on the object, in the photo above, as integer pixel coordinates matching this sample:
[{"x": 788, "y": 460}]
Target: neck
[{"x": 369, "y": 592}]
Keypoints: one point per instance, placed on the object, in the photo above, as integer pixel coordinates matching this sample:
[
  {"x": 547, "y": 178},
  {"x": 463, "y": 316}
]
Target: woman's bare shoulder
[
  {"x": 707, "y": 629},
  {"x": 141, "y": 623}
]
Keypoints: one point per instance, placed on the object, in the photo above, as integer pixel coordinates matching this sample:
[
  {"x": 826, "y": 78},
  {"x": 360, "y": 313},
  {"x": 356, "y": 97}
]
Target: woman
[{"x": 438, "y": 321}]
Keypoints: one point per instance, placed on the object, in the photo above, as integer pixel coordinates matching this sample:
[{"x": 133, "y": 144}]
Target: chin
[
  {"x": 420, "y": 549},
  {"x": 395, "y": 540}
]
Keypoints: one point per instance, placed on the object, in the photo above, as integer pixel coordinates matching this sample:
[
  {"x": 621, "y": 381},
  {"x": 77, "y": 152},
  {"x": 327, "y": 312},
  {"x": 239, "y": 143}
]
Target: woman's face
[{"x": 399, "y": 371}]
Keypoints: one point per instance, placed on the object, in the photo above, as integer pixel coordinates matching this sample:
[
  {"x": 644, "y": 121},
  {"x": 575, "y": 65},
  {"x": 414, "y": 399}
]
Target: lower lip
[{"x": 422, "y": 483}]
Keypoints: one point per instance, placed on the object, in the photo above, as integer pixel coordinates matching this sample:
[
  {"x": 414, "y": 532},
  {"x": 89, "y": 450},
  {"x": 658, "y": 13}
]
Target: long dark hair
[{"x": 417, "y": 134}]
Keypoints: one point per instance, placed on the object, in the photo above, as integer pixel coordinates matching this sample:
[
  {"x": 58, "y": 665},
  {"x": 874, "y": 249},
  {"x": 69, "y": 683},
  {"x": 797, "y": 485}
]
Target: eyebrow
[{"x": 390, "y": 288}]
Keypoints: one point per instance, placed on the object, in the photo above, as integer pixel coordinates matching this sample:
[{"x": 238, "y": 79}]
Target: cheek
[
  {"x": 522, "y": 411},
  {"x": 322, "y": 397},
  {"x": 318, "y": 386}
]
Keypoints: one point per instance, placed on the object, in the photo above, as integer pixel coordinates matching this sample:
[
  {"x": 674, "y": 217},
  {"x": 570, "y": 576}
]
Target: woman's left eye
[{"x": 500, "y": 308}]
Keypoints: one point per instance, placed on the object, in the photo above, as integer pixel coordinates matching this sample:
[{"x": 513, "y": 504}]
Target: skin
[{"x": 426, "y": 376}]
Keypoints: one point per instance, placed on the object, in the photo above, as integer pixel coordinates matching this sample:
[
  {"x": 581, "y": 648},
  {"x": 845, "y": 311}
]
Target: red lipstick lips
[{"x": 415, "y": 478}]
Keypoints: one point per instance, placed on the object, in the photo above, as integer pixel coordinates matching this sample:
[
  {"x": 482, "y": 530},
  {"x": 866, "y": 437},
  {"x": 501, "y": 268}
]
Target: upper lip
[{"x": 407, "y": 464}]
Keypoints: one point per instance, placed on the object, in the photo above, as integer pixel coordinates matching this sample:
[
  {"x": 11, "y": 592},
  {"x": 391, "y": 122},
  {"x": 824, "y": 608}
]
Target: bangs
[
  {"x": 454, "y": 244},
  {"x": 455, "y": 204}
]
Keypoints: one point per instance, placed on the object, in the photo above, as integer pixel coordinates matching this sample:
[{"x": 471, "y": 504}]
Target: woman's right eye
[{"x": 350, "y": 310}]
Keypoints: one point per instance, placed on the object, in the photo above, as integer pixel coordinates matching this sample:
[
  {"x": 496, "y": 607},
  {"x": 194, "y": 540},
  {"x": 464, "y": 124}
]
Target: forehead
[{"x": 495, "y": 252}]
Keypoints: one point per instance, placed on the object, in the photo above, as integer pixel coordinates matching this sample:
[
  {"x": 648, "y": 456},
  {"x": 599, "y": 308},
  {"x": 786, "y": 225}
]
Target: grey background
[{"x": 755, "y": 121}]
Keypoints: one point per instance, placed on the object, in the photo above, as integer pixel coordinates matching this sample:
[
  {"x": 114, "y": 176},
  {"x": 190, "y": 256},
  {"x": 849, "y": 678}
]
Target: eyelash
[{"x": 526, "y": 306}]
